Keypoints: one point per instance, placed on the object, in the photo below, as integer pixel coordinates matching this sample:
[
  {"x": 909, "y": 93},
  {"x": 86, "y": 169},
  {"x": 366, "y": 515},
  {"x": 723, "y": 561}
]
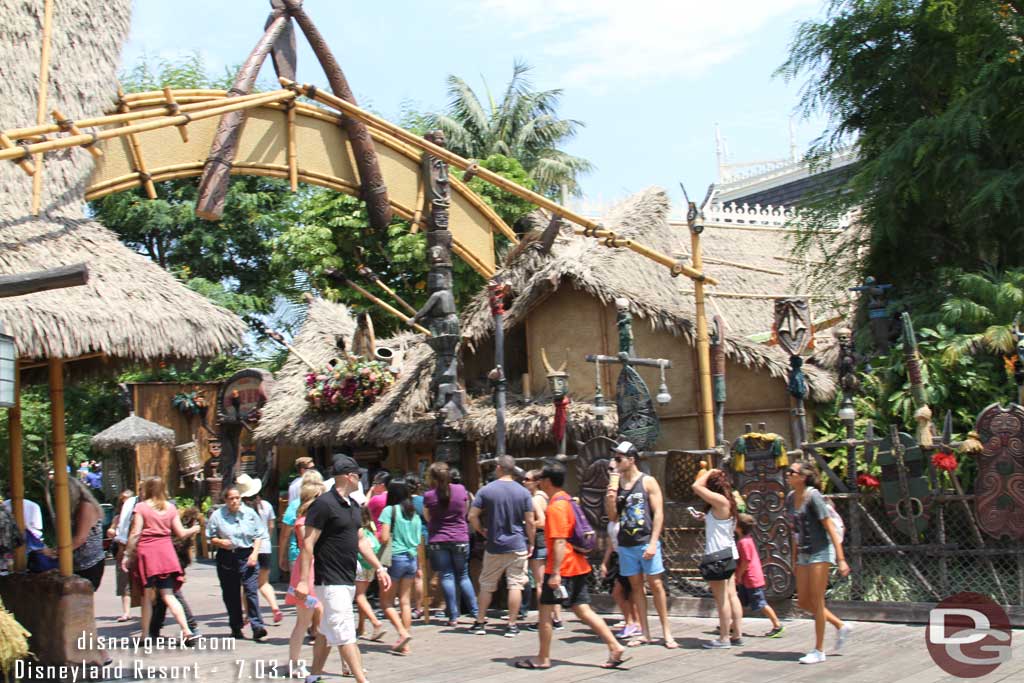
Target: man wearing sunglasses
[{"x": 638, "y": 507}]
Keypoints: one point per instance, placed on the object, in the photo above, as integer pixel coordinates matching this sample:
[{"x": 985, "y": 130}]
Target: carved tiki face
[
  {"x": 436, "y": 137},
  {"x": 843, "y": 335},
  {"x": 558, "y": 382}
]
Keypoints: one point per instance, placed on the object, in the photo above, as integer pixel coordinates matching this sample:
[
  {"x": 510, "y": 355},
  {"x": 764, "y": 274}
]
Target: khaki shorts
[
  {"x": 337, "y": 625},
  {"x": 512, "y": 565}
]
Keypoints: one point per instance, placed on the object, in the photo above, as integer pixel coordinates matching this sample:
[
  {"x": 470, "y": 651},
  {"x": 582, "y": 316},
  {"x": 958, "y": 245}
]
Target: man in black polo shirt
[{"x": 333, "y": 536}]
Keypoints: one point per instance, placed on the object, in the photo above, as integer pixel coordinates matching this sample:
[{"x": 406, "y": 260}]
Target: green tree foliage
[
  {"x": 524, "y": 125},
  {"x": 928, "y": 92}
]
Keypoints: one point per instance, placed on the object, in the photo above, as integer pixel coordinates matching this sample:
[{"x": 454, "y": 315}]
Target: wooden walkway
[{"x": 893, "y": 653}]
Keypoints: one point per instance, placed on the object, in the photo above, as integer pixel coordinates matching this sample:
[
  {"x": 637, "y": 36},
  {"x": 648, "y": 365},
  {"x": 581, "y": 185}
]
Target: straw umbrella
[{"x": 130, "y": 432}]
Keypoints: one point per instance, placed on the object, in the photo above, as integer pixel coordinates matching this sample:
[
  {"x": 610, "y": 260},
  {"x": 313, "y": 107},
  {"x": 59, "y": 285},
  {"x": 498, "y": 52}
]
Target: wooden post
[
  {"x": 17, "y": 469},
  {"x": 44, "y": 80},
  {"x": 60, "y": 467},
  {"x": 293, "y": 157},
  {"x": 706, "y": 408}
]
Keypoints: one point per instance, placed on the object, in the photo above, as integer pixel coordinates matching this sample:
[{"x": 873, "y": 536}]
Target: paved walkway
[{"x": 878, "y": 652}]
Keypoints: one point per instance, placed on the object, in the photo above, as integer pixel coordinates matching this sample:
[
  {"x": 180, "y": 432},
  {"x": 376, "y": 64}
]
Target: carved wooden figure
[
  {"x": 763, "y": 486},
  {"x": 904, "y": 483},
  {"x": 999, "y": 488}
]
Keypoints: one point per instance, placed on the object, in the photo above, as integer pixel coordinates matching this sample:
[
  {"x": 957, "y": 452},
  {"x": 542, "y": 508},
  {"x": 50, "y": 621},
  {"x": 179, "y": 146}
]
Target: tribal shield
[
  {"x": 638, "y": 421},
  {"x": 793, "y": 329},
  {"x": 999, "y": 488},
  {"x": 905, "y": 489},
  {"x": 593, "y": 468}
]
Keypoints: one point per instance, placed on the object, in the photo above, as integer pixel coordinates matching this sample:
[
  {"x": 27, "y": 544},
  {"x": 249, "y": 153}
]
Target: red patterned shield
[{"x": 999, "y": 488}]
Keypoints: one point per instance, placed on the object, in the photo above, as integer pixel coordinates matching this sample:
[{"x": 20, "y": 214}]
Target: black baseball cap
[{"x": 344, "y": 464}]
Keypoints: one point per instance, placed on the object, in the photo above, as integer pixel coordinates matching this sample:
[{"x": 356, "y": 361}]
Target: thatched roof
[
  {"x": 666, "y": 303},
  {"x": 529, "y": 424},
  {"x": 131, "y": 309},
  {"x": 131, "y": 432},
  {"x": 399, "y": 414}
]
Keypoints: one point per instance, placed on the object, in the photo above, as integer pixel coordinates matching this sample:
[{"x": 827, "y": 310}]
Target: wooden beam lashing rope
[
  {"x": 44, "y": 80},
  {"x": 173, "y": 109},
  {"x": 213, "y": 185},
  {"x": 135, "y": 150},
  {"x": 23, "y": 162},
  {"x": 68, "y": 126}
]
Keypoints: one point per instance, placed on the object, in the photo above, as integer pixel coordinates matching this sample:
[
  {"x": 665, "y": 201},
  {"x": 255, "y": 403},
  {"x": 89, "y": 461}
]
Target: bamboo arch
[{"x": 293, "y": 141}]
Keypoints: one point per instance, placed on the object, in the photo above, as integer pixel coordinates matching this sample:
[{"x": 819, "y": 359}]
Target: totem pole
[
  {"x": 718, "y": 389},
  {"x": 878, "y": 316},
  {"x": 794, "y": 333},
  {"x": 638, "y": 420},
  {"x": 497, "y": 291},
  {"x": 439, "y": 312}
]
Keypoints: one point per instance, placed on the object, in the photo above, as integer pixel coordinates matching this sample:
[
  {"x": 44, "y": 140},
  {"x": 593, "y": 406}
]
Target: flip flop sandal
[
  {"x": 396, "y": 649},
  {"x": 378, "y": 634},
  {"x": 637, "y": 642},
  {"x": 615, "y": 663},
  {"x": 671, "y": 645},
  {"x": 530, "y": 665},
  {"x": 124, "y": 619}
]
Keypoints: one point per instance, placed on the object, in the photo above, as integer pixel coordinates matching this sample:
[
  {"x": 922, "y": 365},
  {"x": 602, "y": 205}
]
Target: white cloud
[{"x": 599, "y": 42}]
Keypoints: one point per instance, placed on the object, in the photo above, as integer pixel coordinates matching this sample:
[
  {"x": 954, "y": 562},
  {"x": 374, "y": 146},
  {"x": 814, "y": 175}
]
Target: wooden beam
[
  {"x": 43, "y": 280},
  {"x": 62, "y": 502},
  {"x": 44, "y": 81},
  {"x": 17, "y": 470}
]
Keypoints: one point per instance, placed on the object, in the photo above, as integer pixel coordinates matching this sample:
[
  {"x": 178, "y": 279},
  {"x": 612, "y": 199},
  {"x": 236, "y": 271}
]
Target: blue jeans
[
  {"x": 235, "y": 574},
  {"x": 451, "y": 560}
]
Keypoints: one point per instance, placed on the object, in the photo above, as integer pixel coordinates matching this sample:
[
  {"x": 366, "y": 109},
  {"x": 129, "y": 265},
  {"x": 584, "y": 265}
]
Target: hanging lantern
[{"x": 663, "y": 397}]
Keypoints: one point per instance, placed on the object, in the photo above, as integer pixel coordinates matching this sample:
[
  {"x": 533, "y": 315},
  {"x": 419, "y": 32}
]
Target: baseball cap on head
[
  {"x": 344, "y": 464},
  {"x": 625, "y": 448}
]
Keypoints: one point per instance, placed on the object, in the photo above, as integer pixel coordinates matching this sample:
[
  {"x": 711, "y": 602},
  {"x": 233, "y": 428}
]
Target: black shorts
[
  {"x": 575, "y": 586},
  {"x": 163, "y": 582},
  {"x": 264, "y": 560}
]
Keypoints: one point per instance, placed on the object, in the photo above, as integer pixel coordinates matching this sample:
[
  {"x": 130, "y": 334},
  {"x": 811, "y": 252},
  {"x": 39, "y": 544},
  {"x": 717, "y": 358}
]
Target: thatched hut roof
[
  {"x": 666, "y": 303},
  {"x": 528, "y": 424},
  {"x": 131, "y": 309},
  {"x": 131, "y": 432},
  {"x": 399, "y": 414}
]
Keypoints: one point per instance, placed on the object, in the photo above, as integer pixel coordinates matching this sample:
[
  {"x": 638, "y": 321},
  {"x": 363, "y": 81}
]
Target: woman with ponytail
[{"x": 445, "y": 507}]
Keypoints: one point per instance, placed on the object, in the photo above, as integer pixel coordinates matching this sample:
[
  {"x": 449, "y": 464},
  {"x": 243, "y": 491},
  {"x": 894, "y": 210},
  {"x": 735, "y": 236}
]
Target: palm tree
[
  {"x": 524, "y": 126},
  {"x": 982, "y": 310}
]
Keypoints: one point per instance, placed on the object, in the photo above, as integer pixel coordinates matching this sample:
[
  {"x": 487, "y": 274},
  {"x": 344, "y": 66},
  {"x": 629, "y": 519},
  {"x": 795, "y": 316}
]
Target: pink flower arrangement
[{"x": 350, "y": 383}]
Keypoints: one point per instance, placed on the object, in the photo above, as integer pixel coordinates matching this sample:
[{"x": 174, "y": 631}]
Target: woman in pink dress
[
  {"x": 310, "y": 610},
  {"x": 151, "y": 550}
]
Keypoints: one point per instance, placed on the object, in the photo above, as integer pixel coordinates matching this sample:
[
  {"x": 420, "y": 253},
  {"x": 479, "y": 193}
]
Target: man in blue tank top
[{"x": 637, "y": 505}]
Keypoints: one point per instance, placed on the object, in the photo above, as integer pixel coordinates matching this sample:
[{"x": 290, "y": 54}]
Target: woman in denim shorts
[
  {"x": 403, "y": 528},
  {"x": 818, "y": 546}
]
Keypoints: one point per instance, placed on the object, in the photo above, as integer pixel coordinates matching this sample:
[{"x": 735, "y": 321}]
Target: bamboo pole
[
  {"x": 174, "y": 108},
  {"x": 293, "y": 157},
  {"x": 135, "y": 154},
  {"x": 75, "y": 140},
  {"x": 610, "y": 239},
  {"x": 386, "y": 306},
  {"x": 374, "y": 278},
  {"x": 707, "y": 406},
  {"x": 69, "y": 126},
  {"x": 24, "y": 163},
  {"x": 60, "y": 467},
  {"x": 44, "y": 80},
  {"x": 126, "y": 113},
  {"x": 493, "y": 178},
  {"x": 17, "y": 469}
]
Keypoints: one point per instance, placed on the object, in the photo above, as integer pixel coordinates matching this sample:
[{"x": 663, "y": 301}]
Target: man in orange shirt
[{"x": 565, "y": 575}]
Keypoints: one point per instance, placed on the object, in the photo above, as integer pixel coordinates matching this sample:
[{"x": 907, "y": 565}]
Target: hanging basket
[{"x": 346, "y": 384}]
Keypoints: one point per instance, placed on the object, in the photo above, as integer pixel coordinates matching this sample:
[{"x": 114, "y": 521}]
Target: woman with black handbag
[{"x": 720, "y": 555}]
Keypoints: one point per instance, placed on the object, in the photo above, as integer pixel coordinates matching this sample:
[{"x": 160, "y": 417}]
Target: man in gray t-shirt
[{"x": 507, "y": 509}]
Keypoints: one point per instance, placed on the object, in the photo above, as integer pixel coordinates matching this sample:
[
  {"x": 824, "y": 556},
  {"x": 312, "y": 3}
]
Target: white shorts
[{"x": 338, "y": 624}]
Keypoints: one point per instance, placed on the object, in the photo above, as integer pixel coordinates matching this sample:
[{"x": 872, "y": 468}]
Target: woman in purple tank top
[{"x": 445, "y": 507}]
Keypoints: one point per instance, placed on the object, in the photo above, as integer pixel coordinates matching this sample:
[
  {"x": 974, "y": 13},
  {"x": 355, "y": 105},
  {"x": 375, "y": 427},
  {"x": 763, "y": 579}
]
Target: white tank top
[{"x": 719, "y": 534}]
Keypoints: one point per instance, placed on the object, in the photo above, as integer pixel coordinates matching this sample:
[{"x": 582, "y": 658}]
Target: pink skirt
[{"x": 155, "y": 557}]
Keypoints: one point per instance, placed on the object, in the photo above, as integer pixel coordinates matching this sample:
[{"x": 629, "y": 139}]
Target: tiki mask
[
  {"x": 558, "y": 380},
  {"x": 793, "y": 327}
]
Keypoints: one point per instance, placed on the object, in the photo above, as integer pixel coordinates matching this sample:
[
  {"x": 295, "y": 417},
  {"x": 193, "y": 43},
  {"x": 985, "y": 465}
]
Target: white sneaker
[
  {"x": 813, "y": 657},
  {"x": 716, "y": 645},
  {"x": 843, "y": 635}
]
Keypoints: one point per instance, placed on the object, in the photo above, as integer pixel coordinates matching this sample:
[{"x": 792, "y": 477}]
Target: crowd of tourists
[{"x": 341, "y": 545}]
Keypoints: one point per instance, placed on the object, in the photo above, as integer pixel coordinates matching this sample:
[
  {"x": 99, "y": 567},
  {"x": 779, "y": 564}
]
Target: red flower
[
  {"x": 866, "y": 480},
  {"x": 944, "y": 460}
]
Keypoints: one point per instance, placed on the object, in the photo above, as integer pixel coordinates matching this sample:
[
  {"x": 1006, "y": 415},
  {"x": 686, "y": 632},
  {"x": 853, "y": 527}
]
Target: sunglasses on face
[{"x": 794, "y": 472}]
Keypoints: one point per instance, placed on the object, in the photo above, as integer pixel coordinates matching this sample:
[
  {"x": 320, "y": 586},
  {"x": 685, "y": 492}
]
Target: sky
[{"x": 650, "y": 79}]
